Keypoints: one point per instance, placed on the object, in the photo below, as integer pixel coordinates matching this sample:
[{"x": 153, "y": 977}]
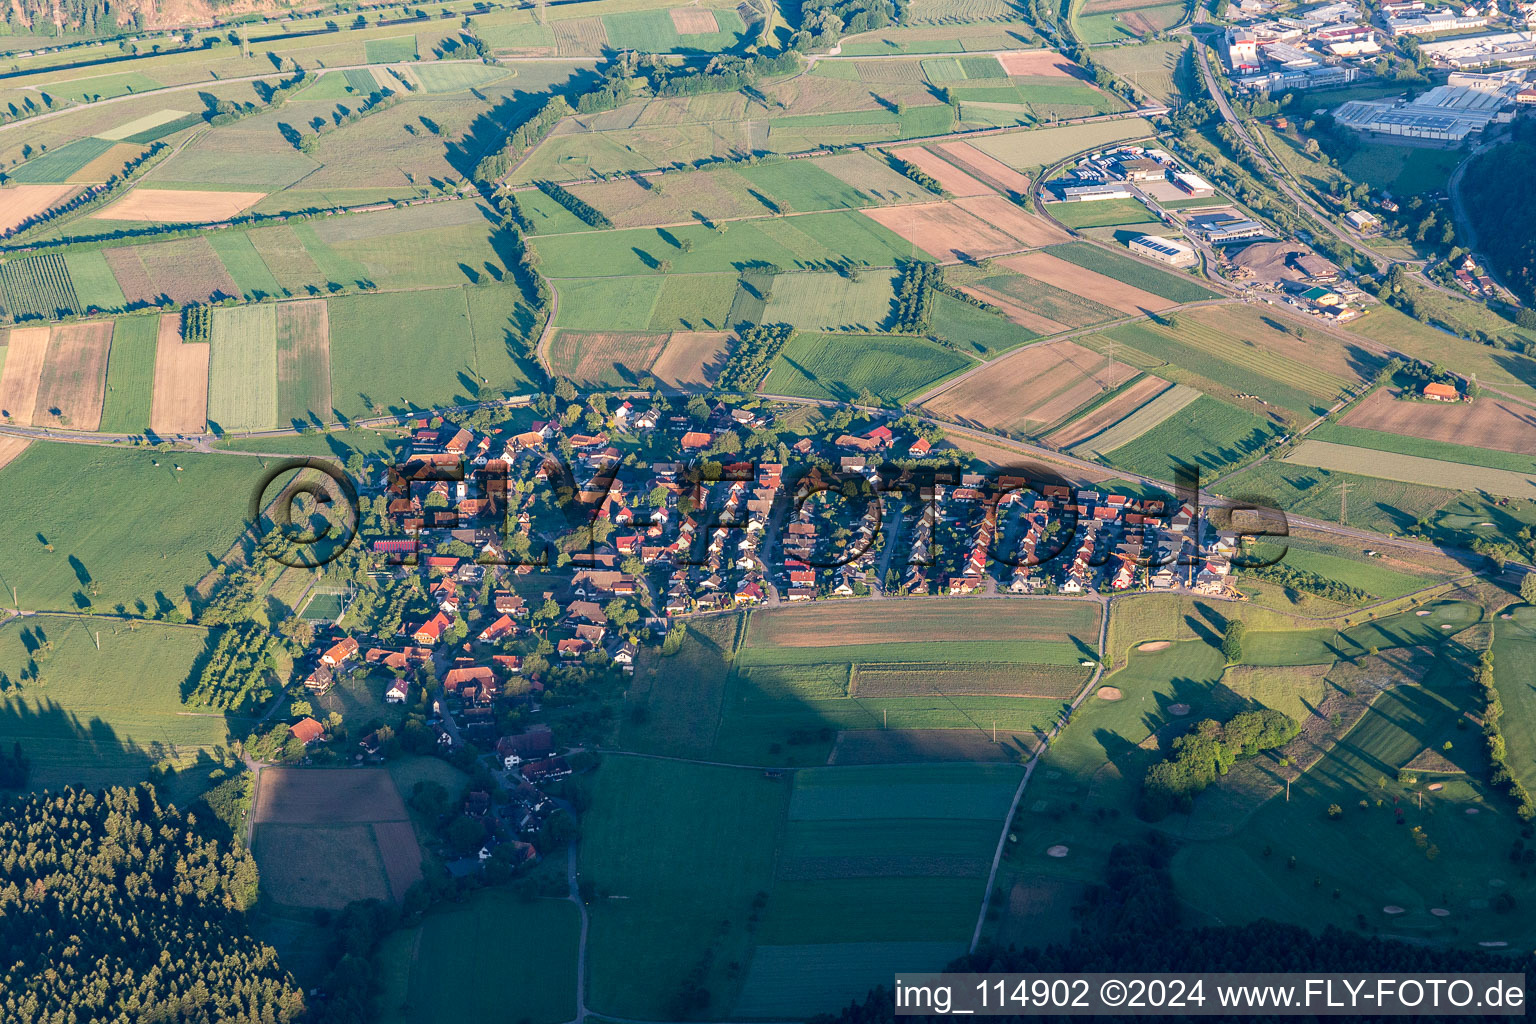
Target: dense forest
[
  {"x": 1503, "y": 214},
  {"x": 1131, "y": 923},
  {"x": 114, "y": 907}
]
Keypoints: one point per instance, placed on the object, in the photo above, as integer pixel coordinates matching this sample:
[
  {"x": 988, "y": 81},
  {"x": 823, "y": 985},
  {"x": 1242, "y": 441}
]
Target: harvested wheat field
[
  {"x": 1035, "y": 386},
  {"x": 74, "y": 378},
  {"x": 580, "y": 37},
  {"x": 20, "y": 202},
  {"x": 177, "y": 206},
  {"x": 1015, "y": 311},
  {"x": 1111, "y": 412},
  {"x": 988, "y": 168},
  {"x": 1079, "y": 281},
  {"x": 26, "y": 351},
  {"x": 10, "y": 447},
  {"x": 953, "y": 180},
  {"x": 691, "y": 359},
  {"x": 1038, "y": 62},
  {"x": 108, "y": 164},
  {"x": 604, "y": 357},
  {"x": 1010, "y": 217},
  {"x": 943, "y": 230},
  {"x": 690, "y": 21},
  {"x": 1485, "y": 423},
  {"x": 180, "y": 403}
]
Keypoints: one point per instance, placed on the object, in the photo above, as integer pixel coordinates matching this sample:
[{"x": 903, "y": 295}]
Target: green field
[
  {"x": 92, "y": 279},
  {"x": 1149, "y": 67},
  {"x": 975, "y": 330},
  {"x": 124, "y": 562},
  {"x": 381, "y": 357},
  {"x": 1219, "y": 359},
  {"x": 1444, "y": 451},
  {"x": 842, "y": 366},
  {"x": 607, "y": 303},
  {"x": 1207, "y": 433},
  {"x": 789, "y": 242},
  {"x": 58, "y": 164},
  {"x": 303, "y": 356},
  {"x": 37, "y": 286},
  {"x": 459, "y": 965},
  {"x": 1373, "y": 503},
  {"x": 89, "y": 716},
  {"x": 1405, "y": 170},
  {"x": 1174, "y": 287},
  {"x": 1115, "y": 28},
  {"x": 130, "y": 375},
  {"x": 245, "y": 265},
  {"x": 1413, "y": 469},
  {"x": 242, "y": 369},
  {"x": 1352, "y": 567},
  {"x": 692, "y": 302},
  {"x": 1102, "y": 213},
  {"x": 827, "y": 301},
  {"x": 1514, "y": 673},
  {"x": 653, "y": 32},
  {"x": 390, "y": 50},
  {"x": 675, "y": 854}
]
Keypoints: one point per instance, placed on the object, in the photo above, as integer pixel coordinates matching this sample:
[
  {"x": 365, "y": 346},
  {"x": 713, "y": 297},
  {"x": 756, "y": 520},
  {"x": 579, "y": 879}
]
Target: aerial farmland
[{"x": 624, "y": 511}]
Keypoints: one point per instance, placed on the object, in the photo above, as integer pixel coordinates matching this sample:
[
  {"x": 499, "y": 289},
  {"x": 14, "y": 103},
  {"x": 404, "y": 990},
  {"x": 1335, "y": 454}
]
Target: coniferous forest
[{"x": 115, "y": 907}]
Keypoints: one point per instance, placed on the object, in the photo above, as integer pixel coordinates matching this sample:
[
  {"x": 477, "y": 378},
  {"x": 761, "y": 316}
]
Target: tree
[
  {"x": 1528, "y": 588},
  {"x": 300, "y": 709},
  {"x": 1232, "y": 641}
]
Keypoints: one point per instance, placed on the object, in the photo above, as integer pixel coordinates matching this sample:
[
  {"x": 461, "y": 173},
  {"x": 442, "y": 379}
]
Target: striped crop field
[
  {"x": 1412, "y": 469},
  {"x": 1167, "y": 404}
]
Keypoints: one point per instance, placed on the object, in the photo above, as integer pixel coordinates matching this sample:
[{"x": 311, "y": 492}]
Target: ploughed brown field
[
  {"x": 944, "y": 230},
  {"x": 1030, "y": 388},
  {"x": 180, "y": 401},
  {"x": 74, "y": 378},
  {"x": 26, "y": 351},
  {"x": 1078, "y": 280},
  {"x": 1111, "y": 412},
  {"x": 954, "y": 181},
  {"x": 691, "y": 359},
  {"x": 986, "y": 167},
  {"x": 322, "y": 796},
  {"x": 178, "y": 206},
  {"x": 19, "y": 202},
  {"x": 1486, "y": 423}
]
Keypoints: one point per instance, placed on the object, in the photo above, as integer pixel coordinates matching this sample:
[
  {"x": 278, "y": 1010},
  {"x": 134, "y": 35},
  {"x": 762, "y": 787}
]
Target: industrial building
[
  {"x": 1326, "y": 76},
  {"x": 1429, "y": 22},
  {"x": 1140, "y": 169},
  {"x": 1445, "y": 113},
  {"x": 1193, "y": 184},
  {"x": 1089, "y": 193},
  {"x": 1164, "y": 250},
  {"x": 1477, "y": 51},
  {"x": 1224, "y": 228}
]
